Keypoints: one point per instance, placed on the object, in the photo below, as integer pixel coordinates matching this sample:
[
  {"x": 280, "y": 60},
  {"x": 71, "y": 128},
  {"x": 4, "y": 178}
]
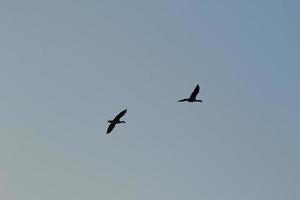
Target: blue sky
[{"x": 66, "y": 67}]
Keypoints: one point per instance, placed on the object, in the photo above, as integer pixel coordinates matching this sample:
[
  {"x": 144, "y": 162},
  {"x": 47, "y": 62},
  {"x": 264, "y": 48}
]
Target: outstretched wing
[
  {"x": 195, "y": 92},
  {"x": 182, "y": 100},
  {"x": 121, "y": 114},
  {"x": 110, "y": 128}
]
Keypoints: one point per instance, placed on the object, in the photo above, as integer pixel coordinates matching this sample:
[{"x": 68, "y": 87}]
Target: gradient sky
[{"x": 66, "y": 67}]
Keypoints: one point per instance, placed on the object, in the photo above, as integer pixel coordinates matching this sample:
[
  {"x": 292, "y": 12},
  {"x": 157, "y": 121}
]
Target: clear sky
[{"x": 66, "y": 67}]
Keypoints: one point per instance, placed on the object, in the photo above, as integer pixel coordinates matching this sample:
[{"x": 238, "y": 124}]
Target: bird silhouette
[
  {"x": 115, "y": 121},
  {"x": 192, "y": 98}
]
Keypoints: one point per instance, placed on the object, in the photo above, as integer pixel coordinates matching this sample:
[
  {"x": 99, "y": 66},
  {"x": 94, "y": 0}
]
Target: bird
[
  {"x": 115, "y": 121},
  {"x": 192, "y": 98}
]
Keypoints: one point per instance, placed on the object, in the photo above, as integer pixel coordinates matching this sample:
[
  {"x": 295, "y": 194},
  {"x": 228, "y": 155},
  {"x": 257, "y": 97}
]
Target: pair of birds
[{"x": 116, "y": 120}]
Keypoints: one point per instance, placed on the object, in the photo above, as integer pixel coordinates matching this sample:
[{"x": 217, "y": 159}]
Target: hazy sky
[{"x": 66, "y": 67}]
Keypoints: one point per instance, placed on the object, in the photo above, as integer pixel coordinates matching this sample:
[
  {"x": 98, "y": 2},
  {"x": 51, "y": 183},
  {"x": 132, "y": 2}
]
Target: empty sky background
[{"x": 66, "y": 67}]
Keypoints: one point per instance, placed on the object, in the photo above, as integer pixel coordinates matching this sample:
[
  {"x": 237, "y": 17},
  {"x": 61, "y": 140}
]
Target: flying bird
[
  {"x": 115, "y": 121},
  {"x": 192, "y": 98}
]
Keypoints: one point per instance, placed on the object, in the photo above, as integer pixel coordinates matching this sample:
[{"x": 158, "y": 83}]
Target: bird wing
[
  {"x": 110, "y": 128},
  {"x": 118, "y": 117},
  {"x": 195, "y": 92},
  {"x": 182, "y": 100}
]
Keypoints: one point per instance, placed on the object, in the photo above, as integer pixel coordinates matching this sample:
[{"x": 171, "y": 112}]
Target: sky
[{"x": 66, "y": 67}]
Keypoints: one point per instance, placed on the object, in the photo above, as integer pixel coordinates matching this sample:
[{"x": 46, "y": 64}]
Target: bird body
[
  {"x": 193, "y": 96},
  {"x": 115, "y": 121}
]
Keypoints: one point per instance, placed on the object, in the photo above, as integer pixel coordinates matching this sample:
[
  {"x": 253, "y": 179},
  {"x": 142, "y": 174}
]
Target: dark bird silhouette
[
  {"x": 192, "y": 98},
  {"x": 115, "y": 121}
]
